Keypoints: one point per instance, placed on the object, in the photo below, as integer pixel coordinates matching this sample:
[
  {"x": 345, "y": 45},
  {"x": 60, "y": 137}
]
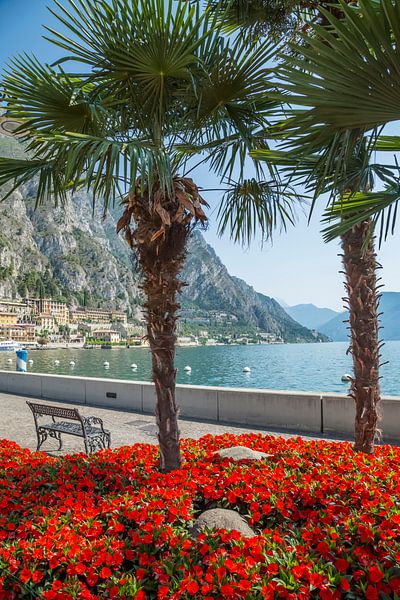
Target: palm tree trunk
[
  {"x": 161, "y": 264},
  {"x": 162, "y": 225},
  {"x": 360, "y": 264}
]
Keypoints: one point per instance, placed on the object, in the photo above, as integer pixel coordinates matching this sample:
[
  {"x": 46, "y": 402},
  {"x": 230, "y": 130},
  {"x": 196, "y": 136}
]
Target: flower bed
[{"x": 111, "y": 526}]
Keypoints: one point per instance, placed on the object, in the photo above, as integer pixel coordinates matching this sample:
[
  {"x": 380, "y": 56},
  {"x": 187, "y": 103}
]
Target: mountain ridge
[
  {"x": 72, "y": 252},
  {"x": 310, "y": 315},
  {"x": 337, "y": 328}
]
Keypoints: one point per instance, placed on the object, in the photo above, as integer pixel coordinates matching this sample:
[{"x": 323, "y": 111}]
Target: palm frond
[
  {"x": 257, "y": 19},
  {"x": 379, "y": 207},
  {"x": 43, "y": 99},
  {"x": 51, "y": 184},
  {"x": 387, "y": 143},
  {"x": 346, "y": 75},
  {"x": 159, "y": 82},
  {"x": 251, "y": 206}
]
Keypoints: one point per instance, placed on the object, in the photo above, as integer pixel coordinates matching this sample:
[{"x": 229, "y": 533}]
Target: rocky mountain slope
[
  {"x": 211, "y": 287},
  {"x": 72, "y": 252}
]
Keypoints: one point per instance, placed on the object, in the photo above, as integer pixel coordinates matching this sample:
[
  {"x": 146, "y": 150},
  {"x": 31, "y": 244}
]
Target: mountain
[
  {"x": 211, "y": 287},
  {"x": 336, "y": 329},
  {"x": 72, "y": 252},
  {"x": 311, "y": 316},
  {"x": 284, "y": 304}
]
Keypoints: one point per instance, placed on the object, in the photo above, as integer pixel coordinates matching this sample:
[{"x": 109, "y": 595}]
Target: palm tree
[
  {"x": 358, "y": 174},
  {"x": 364, "y": 39},
  {"x": 154, "y": 85},
  {"x": 341, "y": 167}
]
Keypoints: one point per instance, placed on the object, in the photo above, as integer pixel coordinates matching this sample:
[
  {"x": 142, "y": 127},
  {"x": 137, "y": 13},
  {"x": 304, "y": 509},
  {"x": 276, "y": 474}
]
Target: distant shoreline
[{"x": 70, "y": 346}]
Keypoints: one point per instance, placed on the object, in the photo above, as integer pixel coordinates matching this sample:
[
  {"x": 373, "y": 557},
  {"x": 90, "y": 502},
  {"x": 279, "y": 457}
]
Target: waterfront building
[
  {"x": 22, "y": 332},
  {"x": 59, "y": 310},
  {"x": 188, "y": 340},
  {"x": 108, "y": 336},
  {"x": 119, "y": 316},
  {"x": 97, "y": 315},
  {"x": 14, "y": 306},
  {"x": 46, "y": 321},
  {"x": 8, "y": 318}
]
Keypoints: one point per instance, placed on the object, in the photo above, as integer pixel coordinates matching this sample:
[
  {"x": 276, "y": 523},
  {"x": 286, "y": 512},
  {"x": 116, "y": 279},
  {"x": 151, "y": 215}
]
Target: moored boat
[{"x": 10, "y": 346}]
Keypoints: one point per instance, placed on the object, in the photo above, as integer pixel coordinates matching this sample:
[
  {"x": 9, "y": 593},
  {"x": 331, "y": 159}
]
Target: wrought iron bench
[{"x": 90, "y": 429}]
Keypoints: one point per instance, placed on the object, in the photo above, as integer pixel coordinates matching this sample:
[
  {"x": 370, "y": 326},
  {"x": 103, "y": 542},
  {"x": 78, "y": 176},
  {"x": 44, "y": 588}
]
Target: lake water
[{"x": 306, "y": 367}]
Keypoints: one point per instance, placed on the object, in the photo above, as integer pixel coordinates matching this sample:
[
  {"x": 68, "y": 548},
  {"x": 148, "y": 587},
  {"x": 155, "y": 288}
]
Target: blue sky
[{"x": 298, "y": 267}]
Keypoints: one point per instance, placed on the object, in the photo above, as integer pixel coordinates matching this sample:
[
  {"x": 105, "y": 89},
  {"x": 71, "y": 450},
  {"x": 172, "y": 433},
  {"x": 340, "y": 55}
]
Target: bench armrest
[{"x": 89, "y": 421}]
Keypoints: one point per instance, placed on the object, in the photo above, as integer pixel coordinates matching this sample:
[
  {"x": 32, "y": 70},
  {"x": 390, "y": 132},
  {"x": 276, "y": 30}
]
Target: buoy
[
  {"x": 188, "y": 369},
  {"x": 72, "y": 363},
  {"x": 9, "y": 360},
  {"x": 133, "y": 366},
  {"x": 246, "y": 370},
  {"x": 346, "y": 377},
  {"x": 56, "y": 362},
  {"x": 22, "y": 356},
  {"x": 106, "y": 363}
]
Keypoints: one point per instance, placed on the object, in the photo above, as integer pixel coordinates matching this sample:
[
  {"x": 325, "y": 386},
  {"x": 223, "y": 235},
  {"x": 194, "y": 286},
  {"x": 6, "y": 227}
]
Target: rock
[
  {"x": 221, "y": 518},
  {"x": 242, "y": 453}
]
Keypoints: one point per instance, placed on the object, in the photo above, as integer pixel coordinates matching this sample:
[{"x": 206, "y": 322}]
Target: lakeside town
[
  {"x": 50, "y": 323},
  {"x": 195, "y": 173}
]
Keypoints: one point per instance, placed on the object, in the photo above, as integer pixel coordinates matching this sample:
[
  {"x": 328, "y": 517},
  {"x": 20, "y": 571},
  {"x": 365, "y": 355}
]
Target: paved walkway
[{"x": 16, "y": 423}]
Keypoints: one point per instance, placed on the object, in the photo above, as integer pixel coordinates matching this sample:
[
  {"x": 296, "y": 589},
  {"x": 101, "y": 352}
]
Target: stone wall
[{"x": 304, "y": 412}]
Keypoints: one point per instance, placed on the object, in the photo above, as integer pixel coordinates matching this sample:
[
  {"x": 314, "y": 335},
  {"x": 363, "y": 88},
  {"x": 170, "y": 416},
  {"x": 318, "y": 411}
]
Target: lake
[{"x": 306, "y": 367}]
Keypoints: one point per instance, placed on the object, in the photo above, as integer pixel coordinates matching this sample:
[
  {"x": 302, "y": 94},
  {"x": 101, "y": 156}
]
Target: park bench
[{"x": 89, "y": 428}]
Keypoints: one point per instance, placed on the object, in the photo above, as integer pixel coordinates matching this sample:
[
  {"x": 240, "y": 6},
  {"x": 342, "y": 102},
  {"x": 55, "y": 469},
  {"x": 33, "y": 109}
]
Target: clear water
[{"x": 306, "y": 367}]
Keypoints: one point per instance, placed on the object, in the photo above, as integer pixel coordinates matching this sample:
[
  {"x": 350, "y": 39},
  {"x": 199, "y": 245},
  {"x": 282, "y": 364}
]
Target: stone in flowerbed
[
  {"x": 242, "y": 453},
  {"x": 221, "y": 518},
  {"x": 111, "y": 526}
]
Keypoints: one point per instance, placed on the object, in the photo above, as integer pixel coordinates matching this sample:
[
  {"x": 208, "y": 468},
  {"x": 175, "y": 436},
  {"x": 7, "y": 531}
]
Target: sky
[{"x": 298, "y": 267}]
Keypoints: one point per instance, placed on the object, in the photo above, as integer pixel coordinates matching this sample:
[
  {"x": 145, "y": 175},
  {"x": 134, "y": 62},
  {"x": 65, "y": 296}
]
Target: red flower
[
  {"x": 113, "y": 518},
  {"x": 25, "y": 574},
  {"x": 375, "y": 574},
  {"x": 105, "y": 573},
  {"x": 57, "y": 585},
  {"x": 37, "y": 576},
  {"x": 371, "y": 593},
  {"x": 342, "y": 565},
  {"x": 345, "y": 585},
  {"x": 192, "y": 587},
  {"x": 227, "y": 590}
]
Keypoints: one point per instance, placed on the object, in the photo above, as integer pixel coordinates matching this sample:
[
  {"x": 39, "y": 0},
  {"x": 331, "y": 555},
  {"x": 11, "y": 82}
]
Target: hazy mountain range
[
  {"x": 309, "y": 315},
  {"x": 333, "y": 323}
]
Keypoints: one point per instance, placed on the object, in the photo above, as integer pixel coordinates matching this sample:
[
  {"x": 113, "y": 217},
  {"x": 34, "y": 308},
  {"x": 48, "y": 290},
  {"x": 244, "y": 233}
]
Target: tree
[
  {"x": 344, "y": 103},
  {"x": 360, "y": 270},
  {"x": 314, "y": 77},
  {"x": 340, "y": 167},
  {"x": 158, "y": 84}
]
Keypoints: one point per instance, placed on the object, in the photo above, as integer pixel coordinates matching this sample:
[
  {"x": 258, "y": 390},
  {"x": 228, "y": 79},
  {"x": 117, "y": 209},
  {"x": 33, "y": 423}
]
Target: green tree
[
  {"x": 364, "y": 39},
  {"x": 339, "y": 165},
  {"x": 158, "y": 85},
  {"x": 360, "y": 270}
]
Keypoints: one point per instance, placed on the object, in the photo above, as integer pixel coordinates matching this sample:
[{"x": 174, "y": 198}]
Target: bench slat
[{"x": 54, "y": 411}]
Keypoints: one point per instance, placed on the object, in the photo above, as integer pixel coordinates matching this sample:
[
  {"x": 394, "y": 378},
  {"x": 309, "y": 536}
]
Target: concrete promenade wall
[{"x": 305, "y": 412}]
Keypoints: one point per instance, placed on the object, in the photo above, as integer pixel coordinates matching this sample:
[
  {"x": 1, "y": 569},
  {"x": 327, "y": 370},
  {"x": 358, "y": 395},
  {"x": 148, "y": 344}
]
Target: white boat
[{"x": 10, "y": 346}]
